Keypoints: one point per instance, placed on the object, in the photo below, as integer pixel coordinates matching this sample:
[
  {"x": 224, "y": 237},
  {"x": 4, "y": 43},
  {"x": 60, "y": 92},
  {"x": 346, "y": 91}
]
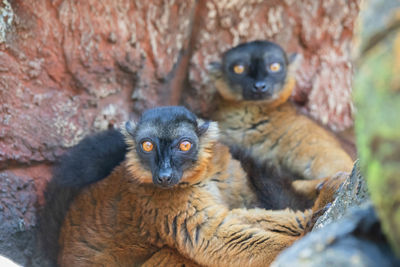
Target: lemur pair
[{"x": 179, "y": 198}]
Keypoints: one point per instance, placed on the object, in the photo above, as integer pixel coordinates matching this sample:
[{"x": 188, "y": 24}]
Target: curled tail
[{"x": 91, "y": 160}]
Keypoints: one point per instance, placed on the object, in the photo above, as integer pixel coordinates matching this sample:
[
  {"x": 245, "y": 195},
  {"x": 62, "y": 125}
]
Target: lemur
[
  {"x": 168, "y": 203},
  {"x": 254, "y": 81}
]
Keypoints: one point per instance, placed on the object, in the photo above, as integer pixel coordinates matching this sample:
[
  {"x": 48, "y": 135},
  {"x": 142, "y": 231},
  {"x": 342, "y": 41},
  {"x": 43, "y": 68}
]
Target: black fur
[
  {"x": 170, "y": 115},
  {"x": 92, "y": 159},
  {"x": 271, "y": 185},
  {"x": 88, "y": 162}
]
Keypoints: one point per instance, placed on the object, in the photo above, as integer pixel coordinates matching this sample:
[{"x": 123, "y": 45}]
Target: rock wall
[{"x": 69, "y": 68}]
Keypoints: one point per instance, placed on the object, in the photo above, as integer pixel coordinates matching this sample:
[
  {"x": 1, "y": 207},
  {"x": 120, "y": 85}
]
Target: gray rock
[
  {"x": 18, "y": 220},
  {"x": 355, "y": 240},
  {"x": 17, "y": 217}
]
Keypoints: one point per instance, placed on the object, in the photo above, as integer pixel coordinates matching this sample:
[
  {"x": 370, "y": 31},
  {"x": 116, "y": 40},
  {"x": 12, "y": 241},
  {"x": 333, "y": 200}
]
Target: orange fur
[{"x": 167, "y": 257}]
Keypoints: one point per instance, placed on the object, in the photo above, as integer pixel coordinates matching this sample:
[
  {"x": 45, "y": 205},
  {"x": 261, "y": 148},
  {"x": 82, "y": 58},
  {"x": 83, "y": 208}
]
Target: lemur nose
[
  {"x": 164, "y": 176},
  {"x": 164, "y": 179},
  {"x": 259, "y": 87}
]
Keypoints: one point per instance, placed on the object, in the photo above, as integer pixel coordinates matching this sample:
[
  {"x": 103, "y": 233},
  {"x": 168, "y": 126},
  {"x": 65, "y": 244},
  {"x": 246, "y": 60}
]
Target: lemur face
[
  {"x": 255, "y": 70},
  {"x": 167, "y": 143}
]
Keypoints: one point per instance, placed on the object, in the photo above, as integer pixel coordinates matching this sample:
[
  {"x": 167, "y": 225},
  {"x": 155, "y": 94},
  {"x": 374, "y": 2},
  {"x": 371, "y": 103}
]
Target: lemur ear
[
  {"x": 214, "y": 68},
  {"x": 207, "y": 130},
  {"x": 295, "y": 60},
  {"x": 130, "y": 127},
  {"x": 202, "y": 127}
]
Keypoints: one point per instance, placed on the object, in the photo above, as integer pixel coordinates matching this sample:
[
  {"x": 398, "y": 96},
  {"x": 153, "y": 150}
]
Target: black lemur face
[
  {"x": 256, "y": 69},
  {"x": 167, "y": 143}
]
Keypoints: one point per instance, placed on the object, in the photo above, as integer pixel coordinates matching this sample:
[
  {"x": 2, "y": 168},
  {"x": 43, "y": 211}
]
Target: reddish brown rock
[{"x": 69, "y": 68}]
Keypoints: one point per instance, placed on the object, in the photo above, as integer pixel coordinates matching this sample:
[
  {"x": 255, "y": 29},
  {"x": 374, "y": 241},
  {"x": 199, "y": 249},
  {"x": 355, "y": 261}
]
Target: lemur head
[
  {"x": 253, "y": 71},
  {"x": 169, "y": 146}
]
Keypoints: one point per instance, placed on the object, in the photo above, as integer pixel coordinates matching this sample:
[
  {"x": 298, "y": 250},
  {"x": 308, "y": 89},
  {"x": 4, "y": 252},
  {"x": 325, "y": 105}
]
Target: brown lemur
[
  {"x": 164, "y": 204},
  {"x": 254, "y": 81}
]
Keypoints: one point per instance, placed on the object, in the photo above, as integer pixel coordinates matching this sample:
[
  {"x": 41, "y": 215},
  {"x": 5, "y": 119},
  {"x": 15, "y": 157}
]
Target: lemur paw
[{"x": 327, "y": 190}]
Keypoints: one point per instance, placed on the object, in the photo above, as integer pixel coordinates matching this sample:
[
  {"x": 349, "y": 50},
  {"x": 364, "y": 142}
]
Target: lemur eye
[
  {"x": 238, "y": 69},
  {"x": 185, "y": 146},
  {"x": 274, "y": 67},
  {"x": 147, "y": 146}
]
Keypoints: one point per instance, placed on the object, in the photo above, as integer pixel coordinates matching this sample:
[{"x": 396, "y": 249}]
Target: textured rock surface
[
  {"x": 354, "y": 240},
  {"x": 68, "y": 68},
  {"x": 17, "y": 217}
]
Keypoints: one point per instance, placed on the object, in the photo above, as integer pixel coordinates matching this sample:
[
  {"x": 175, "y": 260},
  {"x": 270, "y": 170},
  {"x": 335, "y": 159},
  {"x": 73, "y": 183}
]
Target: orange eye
[
  {"x": 274, "y": 67},
  {"x": 185, "y": 146},
  {"x": 238, "y": 69},
  {"x": 147, "y": 146}
]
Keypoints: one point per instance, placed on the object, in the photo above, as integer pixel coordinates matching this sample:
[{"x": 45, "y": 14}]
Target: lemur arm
[
  {"x": 240, "y": 237},
  {"x": 167, "y": 257}
]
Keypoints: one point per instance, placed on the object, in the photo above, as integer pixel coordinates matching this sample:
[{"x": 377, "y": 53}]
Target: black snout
[
  {"x": 259, "y": 87},
  {"x": 164, "y": 177}
]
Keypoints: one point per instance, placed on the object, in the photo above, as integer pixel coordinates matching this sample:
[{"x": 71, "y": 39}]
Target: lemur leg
[
  {"x": 240, "y": 237},
  {"x": 167, "y": 257},
  {"x": 89, "y": 258}
]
